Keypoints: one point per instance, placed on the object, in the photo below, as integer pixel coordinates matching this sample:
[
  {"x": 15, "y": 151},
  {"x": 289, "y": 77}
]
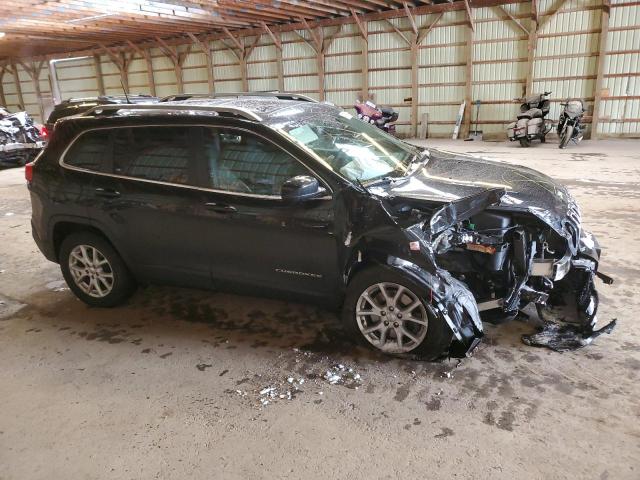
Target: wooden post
[
  {"x": 33, "y": 70},
  {"x": 177, "y": 60},
  {"x": 320, "y": 63},
  {"x": 150, "y": 78},
  {"x": 414, "y": 88},
  {"x": 277, "y": 41},
  {"x": 205, "y": 47},
  {"x": 468, "y": 86},
  {"x": 242, "y": 52},
  {"x": 597, "y": 97},
  {"x": 419, "y": 34},
  {"x": 16, "y": 80},
  {"x": 3, "y": 100},
  {"x": 364, "y": 36},
  {"x": 320, "y": 44},
  {"x": 279, "y": 63},
  {"x": 97, "y": 65},
  {"x": 531, "y": 48},
  {"x": 122, "y": 61}
]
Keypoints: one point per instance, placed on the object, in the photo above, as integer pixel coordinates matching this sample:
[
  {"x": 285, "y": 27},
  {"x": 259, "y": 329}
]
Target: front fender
[{"x": 449, "y": 299}]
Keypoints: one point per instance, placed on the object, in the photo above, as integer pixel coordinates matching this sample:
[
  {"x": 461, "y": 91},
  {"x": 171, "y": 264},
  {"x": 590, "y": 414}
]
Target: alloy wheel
[
  {"x": 91, "y": 271},
  {"x": 391, "y": 317}
]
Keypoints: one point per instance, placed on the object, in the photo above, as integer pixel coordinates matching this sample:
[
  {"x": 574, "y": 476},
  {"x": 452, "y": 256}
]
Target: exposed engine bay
[
  {"x": 20, "y": 139},
  {"x": 509, "y": 259}
]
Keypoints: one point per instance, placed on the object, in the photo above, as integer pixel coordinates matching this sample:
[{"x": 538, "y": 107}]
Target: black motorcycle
[
  {"x": 569, "y": 126},
  {"x": 531, "y": 124}
]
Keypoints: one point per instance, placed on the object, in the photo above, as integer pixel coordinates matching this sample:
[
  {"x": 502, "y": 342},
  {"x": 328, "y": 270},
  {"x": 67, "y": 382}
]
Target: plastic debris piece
[{"x": 566, "y": 337}]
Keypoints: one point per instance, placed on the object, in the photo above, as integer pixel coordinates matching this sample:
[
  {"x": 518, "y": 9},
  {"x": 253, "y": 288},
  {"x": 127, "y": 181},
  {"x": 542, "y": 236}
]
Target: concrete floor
[{"x": 168, "y": 386}]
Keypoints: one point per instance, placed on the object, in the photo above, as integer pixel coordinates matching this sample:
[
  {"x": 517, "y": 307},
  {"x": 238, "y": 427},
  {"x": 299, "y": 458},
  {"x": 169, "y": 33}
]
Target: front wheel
[
  {"x": 384, "y": 310},
  {"x": 525, "y": 142},
  {"x": 94, "y": 271},
  {"x": 566, "y": 136}
]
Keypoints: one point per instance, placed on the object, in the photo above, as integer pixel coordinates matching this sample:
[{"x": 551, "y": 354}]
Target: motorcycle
[
  {"x": 531, "y": 124},
  {"x": 569, "y": 126},
  {"x": 20, "y": 138},
  {"x": 381, "y": 117}
]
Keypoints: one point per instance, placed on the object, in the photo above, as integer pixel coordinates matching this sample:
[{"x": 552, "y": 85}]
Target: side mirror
[{"x": 301, "y": 188}]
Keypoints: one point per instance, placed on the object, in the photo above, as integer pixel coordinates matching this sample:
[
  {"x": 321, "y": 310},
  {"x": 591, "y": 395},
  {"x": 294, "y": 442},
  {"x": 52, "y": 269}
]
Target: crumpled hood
[{"x": 449, "y": 176}]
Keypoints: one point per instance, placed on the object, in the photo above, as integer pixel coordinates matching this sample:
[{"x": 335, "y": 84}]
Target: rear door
[{"x": 146, "y": 201}]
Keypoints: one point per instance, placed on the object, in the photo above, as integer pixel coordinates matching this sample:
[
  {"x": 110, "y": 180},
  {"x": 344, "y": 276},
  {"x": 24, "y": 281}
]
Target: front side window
[
  {"x": 243, "y": 162},
  {"x": 152, "y": 153},
  {"x": 350, "y": 147},
  {"x": 89, "y": 150}
]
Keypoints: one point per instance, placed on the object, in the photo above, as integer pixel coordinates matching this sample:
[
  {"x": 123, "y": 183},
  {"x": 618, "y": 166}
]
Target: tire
[
  {"x": 566, "y": 136},
  {"x": 525, "y": 142},
  {"x": 106, "y": 285},
  {"x": 431, "y": 345}
]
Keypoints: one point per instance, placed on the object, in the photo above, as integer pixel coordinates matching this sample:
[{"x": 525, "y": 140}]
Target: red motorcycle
[{"x": 381, "y": 117}]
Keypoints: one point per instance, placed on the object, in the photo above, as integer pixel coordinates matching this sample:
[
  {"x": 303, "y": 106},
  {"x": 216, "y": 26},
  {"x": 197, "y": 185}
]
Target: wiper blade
[{"x": 386, "y": 181}]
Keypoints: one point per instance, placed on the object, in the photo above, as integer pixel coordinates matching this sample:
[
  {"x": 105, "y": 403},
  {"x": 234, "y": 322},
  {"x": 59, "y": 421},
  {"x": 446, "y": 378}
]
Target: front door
[{"x": 255, "y": 237}]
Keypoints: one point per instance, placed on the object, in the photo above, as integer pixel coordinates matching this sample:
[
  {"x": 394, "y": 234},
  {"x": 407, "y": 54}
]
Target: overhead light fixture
[{"x": 2, "y": 34}]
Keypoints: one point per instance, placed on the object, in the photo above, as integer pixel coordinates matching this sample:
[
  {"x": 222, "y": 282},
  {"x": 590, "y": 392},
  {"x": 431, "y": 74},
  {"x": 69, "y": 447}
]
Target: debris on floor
[
  {"x": 565, "y": 337},
  {"x": 341, "y": 375},
  {"x": 286, "y": 391}
]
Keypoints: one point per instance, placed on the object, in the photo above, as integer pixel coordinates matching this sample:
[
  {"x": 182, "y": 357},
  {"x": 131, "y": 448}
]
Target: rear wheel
[
  {"x": 525, "y": 142},
  {"x": 384, "y": 309},
  {"x": 566, "y": 136},
  {"x": 94, "y": 271}
]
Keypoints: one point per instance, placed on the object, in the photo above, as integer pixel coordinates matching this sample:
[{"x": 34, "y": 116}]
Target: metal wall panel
[
  {"x": 620, "y": 111},
  {"x": 76, "y": 78},
  {"x": 566, "y": 60}
]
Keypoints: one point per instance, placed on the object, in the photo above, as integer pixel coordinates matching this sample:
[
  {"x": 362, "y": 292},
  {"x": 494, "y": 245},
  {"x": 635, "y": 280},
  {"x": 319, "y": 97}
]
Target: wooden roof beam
[
  {"x": 316, "y": 39},
  {"x": 425, "y": 31},
  {"x": 361, "y": 28},
  {"x": 547, "y": 18},
  {"x": 513, "y": 19},
  {"x": 398, "y": 31},
  {"x": 236, "y": 42},
  {"x": 276, "y": 41},
  {"x": 412, "y": 21},
  {"x": 168, "y": 50},
  {"x": 469, "y": 15},
  {"x": 201, "y": 45}
]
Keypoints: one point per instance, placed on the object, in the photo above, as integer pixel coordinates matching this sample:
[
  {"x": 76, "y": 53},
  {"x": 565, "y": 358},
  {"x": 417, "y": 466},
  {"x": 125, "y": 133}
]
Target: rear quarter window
[{"x": 89, "y": 150}]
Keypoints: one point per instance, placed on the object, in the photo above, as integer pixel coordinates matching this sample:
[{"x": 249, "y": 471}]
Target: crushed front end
[{"x": 509, "y": 258}]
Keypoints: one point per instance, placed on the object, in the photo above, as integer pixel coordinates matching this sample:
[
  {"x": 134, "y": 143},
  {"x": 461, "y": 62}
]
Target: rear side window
[
  {"x": 89, "y": 150},
  {"x": 153, "y": 153}
]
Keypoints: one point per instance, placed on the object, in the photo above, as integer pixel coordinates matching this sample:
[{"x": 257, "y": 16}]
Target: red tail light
[
  {"x": 44, "y": 132},
  {"x": 28, "y": 171}
]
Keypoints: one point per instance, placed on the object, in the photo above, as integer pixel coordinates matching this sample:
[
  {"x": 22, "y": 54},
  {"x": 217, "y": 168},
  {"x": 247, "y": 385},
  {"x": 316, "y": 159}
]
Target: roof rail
[
  {"x": 219, "y": 109},
  {"x": 275, "y": 94}
]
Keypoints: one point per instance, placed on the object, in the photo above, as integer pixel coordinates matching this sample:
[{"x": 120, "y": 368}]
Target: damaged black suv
[{"x": 270, "y": 195}]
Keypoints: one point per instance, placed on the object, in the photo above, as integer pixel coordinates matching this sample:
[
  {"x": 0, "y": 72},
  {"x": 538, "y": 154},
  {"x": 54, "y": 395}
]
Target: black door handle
[
  {"x": 107, "y": 193},
  {"x": 220, "y": 207}
]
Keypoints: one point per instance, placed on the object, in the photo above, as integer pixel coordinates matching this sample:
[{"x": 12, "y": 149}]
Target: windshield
[{"x": 350, "y": 147}]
